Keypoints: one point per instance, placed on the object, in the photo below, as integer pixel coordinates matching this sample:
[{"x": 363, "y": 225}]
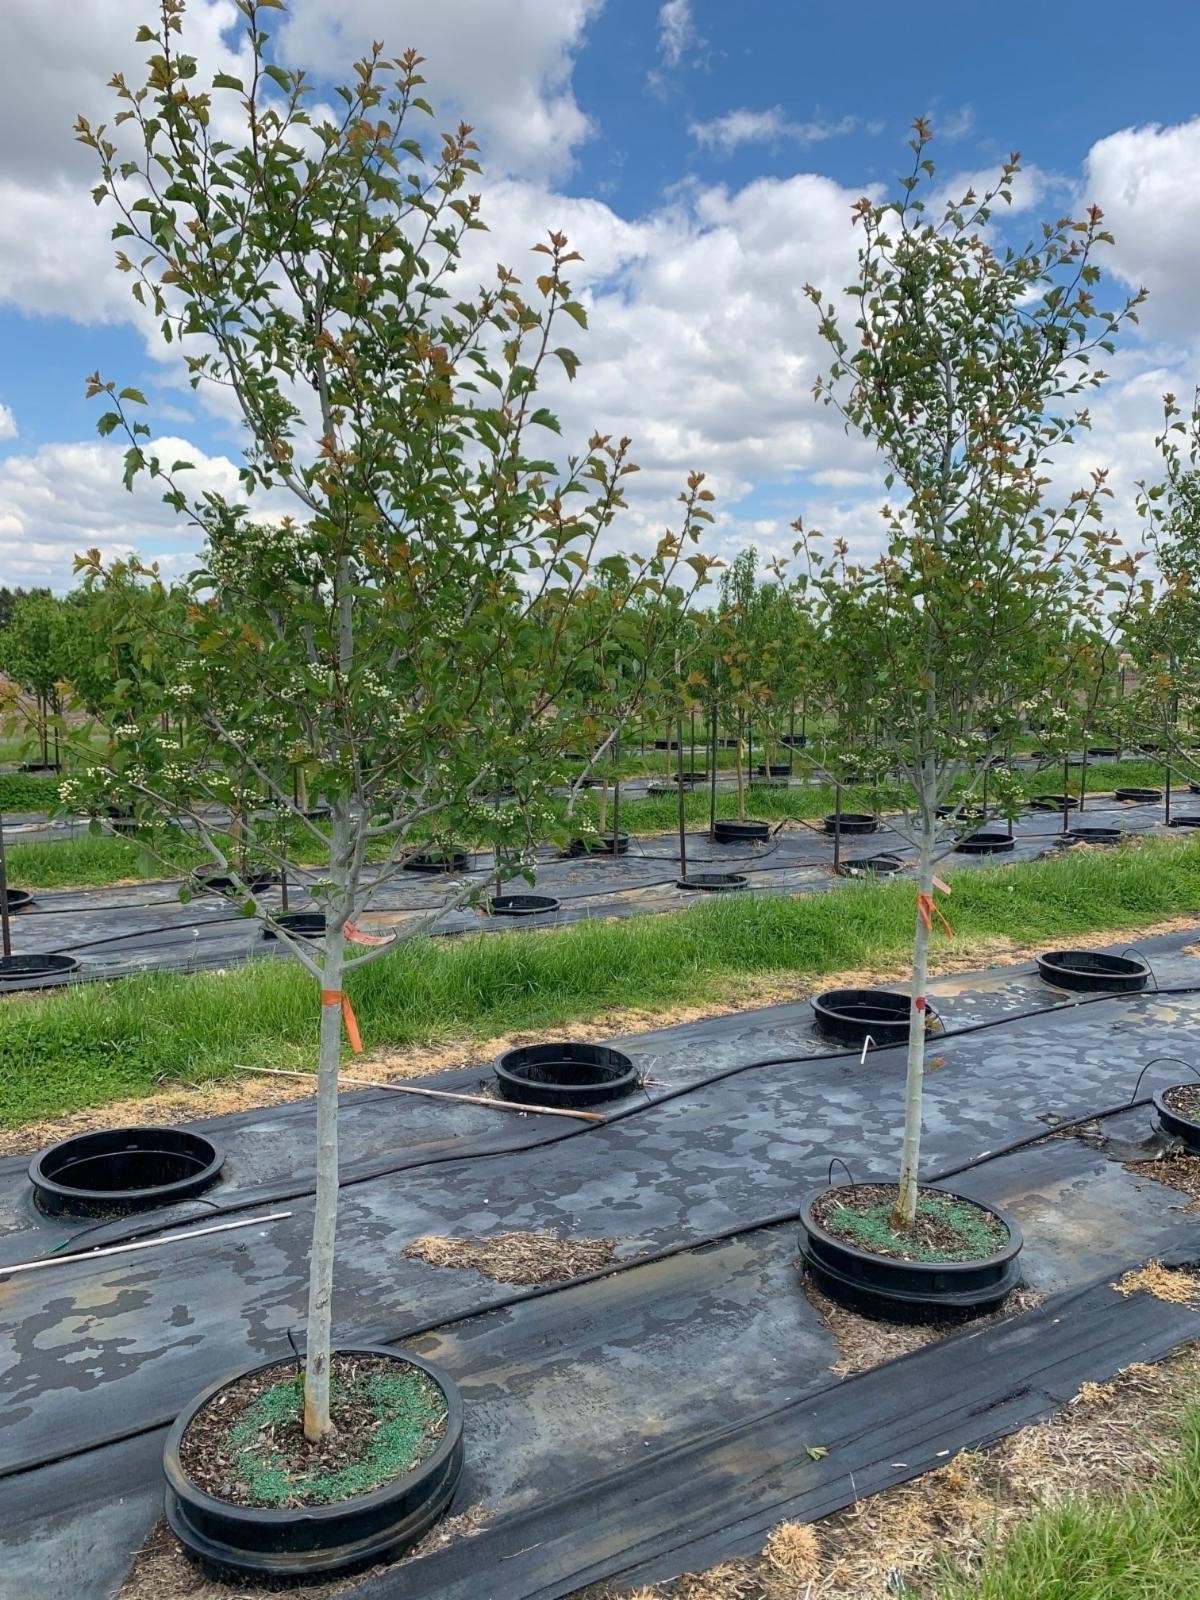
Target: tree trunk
[
  {"x": 320, "y": 1281},
  {"x": 906, "y": 1201},
  {"x": 741, "y": 776}
]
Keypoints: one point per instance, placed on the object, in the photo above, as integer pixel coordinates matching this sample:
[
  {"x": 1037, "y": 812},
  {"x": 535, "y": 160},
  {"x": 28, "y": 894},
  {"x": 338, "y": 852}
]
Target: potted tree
[
  {"x": 964, "y": 366},
  {"x": 430, "y": 574}
]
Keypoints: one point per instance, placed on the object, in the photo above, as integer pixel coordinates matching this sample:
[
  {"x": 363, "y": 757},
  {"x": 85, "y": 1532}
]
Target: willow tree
[
  {"x": 963, "y": 361},
  {"x": 406, "y": 632}
]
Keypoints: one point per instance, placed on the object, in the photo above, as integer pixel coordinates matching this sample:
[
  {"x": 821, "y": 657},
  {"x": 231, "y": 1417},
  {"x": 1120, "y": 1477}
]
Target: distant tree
[{"x": 33, "y": 655}]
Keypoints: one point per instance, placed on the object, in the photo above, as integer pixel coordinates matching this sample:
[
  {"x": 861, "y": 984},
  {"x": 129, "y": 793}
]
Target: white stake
[
  {"x": 437, "y": 1094},
  {"x": 140, "y": 1244}
]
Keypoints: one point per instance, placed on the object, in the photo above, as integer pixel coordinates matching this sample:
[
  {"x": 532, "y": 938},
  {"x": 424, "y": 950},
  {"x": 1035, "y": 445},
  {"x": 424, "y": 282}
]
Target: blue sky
[{"x": 702, "y": 154}]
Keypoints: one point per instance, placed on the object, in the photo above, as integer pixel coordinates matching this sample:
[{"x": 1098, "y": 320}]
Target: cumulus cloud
[
  {"x": 8, "y": 423},
  {"x": 743, "y": 126},
  {"x": 65, "y": 498},
  {"x": 1144, "y": 180}
]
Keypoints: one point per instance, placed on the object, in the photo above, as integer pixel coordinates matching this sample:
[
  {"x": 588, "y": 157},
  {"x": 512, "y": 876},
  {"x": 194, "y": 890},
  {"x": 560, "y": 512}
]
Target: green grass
[
  {"x": 19, "y": 791},
  {"x": 92, "y": 861},
  {"x": 1143, "y": 1545},
  {"x": 102, "y": 1042}
]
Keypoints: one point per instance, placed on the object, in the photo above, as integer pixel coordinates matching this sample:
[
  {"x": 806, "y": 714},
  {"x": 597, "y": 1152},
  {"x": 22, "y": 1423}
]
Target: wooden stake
[{"x": 435, "y": 1094}]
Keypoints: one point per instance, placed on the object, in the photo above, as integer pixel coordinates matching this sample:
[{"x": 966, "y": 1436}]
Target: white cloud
[
  {"x": 676, "y": 30},
  {"x": 1144, "y": 180},
  {"x": 743, "y": 126},
  {"x": 67, "y": 498},
  {"x": 953, "y": 124},
  {"x": 8, "y": 423}
]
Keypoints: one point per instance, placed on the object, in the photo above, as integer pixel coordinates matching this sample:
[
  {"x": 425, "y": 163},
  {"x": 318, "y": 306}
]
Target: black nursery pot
[
  {"x": 851, "y": 822},
  {"x": 222, "y": 883},
  {"x": 850, "y": 1015},
  {"x": 1054, "y": 802},
  {"x": 452, "y": 861},
  {"x": 1093, "y": 972},
  {"x": 713, "y": 882},
  {"x": 1094, "y": 835},
  {"x": 1186, "y": 819},
  {"x": 306, "y": 924},
  {"x": 727, "y": 831},
  {"x": 877, "y": 866},
  {"x": 600, "y": 847},
  {"x": 118, "y": 1170},
  {"x": 1174, "y": 1122},
  {"x": 521, "y": 905},
  {"x": 1145, "y": 797},
  {"x": 23, "y": 969},
  {"x": 908, "y": 1291},
  {"x": 300, "y": 1541},
  {"x": 775, "y": 769},
  {"x": 985, "y": 844},
  {"x": 17, "y": 899},
  {"x": 565, "y": 1075}
]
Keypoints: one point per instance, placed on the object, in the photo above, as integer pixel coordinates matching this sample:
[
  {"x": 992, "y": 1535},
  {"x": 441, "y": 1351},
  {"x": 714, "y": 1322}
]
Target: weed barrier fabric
[
  {"x": 96, "y": 1344},
  {"x": 117, "y": 931}
]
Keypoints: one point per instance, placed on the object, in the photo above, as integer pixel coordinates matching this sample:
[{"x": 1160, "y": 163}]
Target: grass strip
[
  {"x": 1141, "y": 1545},
  {"x": 95, "y": 1043}
]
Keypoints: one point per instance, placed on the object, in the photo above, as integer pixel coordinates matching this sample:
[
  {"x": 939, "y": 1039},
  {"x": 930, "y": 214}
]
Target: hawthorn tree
[
  {"x": 964, "y": 365},
  {"x": 406, "y": 635}
]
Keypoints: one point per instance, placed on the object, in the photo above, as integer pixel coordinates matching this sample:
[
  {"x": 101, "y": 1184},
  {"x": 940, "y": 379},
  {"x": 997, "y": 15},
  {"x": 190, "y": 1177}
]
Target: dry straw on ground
[
  {"x": 518, "y": 1258},
  {"x": 1164, "y": 1283},
  {"x": 1110, "y": 1435}
]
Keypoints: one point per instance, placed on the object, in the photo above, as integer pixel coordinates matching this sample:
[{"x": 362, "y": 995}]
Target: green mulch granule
[
  {"x": 946, "y": 1228},
  {"x": 248, "y": 1447}
]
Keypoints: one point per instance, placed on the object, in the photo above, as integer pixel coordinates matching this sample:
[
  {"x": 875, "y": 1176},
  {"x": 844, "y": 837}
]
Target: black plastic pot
[
  {"x": 306, "y": 924},
  {"x": 1186, "y": 819},
  {"x": 1094, "y": 835},
  {"x": 521, "y": 905},
  {"x": 119, "y": 1170},
  {"x": 40, "y": 769},
  {"x": 1091, "y": 971},
  {"x": 1174, "y": 1122},
  {"x": 24, "y": 968},
  {"x": 880, "y": 866},
  {"x": 305, "y": 1540},
  {"x": 222, "y": 883},
  {"x": 1193, "y": 786},
  {"x": 850, "y": 1015},
  {"x": 600, "y": 847},
  {"x": 1146, "y": 797},
  {"x": 713, "y": 882},
  {"x": 908, "y": 1291},
  {"x": 453, "y": 861},
  {"x": 849, "y": 822},
  {"x": 1054, "y": 802},
  {"x": 1103, "y": 752},
  {"x": 775, "y": 769},
  {"x": 1152, "y": 749},
  {"x": 565, "y": 1075},
  {"x": 591, "y": 781},
  {"x": 727, "y": 831},
  {"x": 17, "y": 899},
  {"x": 985, "y": 843}
]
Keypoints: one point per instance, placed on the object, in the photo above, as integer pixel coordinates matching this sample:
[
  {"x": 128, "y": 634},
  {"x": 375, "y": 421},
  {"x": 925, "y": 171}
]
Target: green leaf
[
  {"x": 107, "y": 423},
  {"x": 569, "y": 360},
  {"x": 135, "y": 395},
  {"x": 225, "y": 80},
  {"x": 545, "y": 419},
  {"x": 575, "y": 311}
]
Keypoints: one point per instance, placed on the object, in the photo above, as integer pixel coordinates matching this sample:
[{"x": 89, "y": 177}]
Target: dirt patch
[
  {"x": 517, "y": 1258},
  {"x": 1164, "y": 1283},
  {"x": 1177, "y": 1170},
  {"x": 247, "y": 1447},
  {"x": 865, "y": 1342},
  {"x": 1109, "y": 1436},
  {"x": 1184, "y": 1099},
  {"x": 162, "y": 1570}
]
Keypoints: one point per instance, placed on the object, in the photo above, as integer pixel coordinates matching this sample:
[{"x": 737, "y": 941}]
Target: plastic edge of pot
[{"x": 322, "y": 1538}]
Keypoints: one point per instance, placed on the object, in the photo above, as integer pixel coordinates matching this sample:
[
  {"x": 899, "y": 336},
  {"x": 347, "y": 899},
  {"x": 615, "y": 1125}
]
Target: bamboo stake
[
  {"x": 436, "y": 1094},
  {"x": 140, "y": 1244}
]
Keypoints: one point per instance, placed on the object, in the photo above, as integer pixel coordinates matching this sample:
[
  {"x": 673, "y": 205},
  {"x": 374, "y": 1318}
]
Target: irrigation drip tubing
[
  {"x": 373, "y": 1171},
  {"x": 394, "y": 1334}
]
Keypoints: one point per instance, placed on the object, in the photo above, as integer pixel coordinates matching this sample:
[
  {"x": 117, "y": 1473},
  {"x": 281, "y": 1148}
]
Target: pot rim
[{"x": 996, "y": 1259}]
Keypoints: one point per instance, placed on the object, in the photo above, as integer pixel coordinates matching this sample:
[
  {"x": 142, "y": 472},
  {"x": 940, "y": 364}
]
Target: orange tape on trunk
[
  {"x": 337, "y": 997},
  {"x": 927, "y": 910}
]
